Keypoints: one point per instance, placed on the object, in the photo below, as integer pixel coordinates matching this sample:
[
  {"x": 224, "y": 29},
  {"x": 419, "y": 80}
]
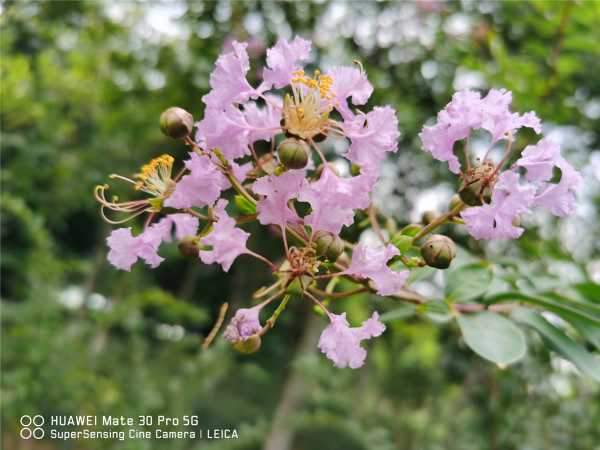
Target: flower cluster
[
  {"x": 261, "y": 149},
  {"x": 293, "y": 112},
  {"x": 495, "y": 199}
]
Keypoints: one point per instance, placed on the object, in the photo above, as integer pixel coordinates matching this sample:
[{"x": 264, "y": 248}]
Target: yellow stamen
[{"x": 155, "y": 177}]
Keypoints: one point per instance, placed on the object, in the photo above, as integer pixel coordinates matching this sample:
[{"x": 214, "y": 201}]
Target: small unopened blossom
[
  {"x": 341, "y": 343},
  {"x": 227, "y": 241},
  {"x": 244, "y": 324},
  {"x": 371, "y": 262}
]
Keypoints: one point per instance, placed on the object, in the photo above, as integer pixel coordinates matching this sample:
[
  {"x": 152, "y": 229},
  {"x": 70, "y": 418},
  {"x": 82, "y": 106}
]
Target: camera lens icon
[{"x": 27, "y": 422}]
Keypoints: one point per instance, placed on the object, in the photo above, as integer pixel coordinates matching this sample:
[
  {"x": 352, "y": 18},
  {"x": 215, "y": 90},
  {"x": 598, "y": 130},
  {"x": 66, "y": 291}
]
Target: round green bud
[
  {"x": 455, "y": 201},
  {"x": 248, "y": 346},
  {"x": 293, "y": 153},
  {"x": 438, "y": 251},
  {"x": 188, "y": 246},
  {"x": 329, "y": 245},
  {"x": 428, "y": 217},
  {"x": 176, "y": 122},
  {"x": 355, "y": 170},
  {"x": 476, "y": 193}
]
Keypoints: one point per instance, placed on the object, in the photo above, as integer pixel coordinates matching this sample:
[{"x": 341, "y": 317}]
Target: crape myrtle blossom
[
  {"x": 495, "y": 199},
  {"x": 468, "y": 111},
  {"x": 371, "y": 262},
  {"x": 341, "y": 343},
  {"x": 125, "y": 249},
  {"x": 244, "y": 324},
  {"x": 227, "y": 241},
  {"x": 260, "y": 151}
]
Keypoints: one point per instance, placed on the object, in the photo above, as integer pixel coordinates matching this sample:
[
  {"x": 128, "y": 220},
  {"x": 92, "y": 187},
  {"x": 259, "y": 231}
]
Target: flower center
[
  {"x": 478, "y": 183},
  {"x": 306, "y": 111},
  {"x": 155, "y": 177}
]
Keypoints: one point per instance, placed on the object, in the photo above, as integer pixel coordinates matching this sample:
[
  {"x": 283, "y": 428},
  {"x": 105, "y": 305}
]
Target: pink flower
[
  {"x": 333, "y": 200},
  {"x": 228, "y": 80},
  {"x": 559, "y": 198},
  {"x": 227, "y": 241},
  {"x": 540, "y": 161},
  {"x": 244, "y": 324},
  {"x": 371, "y": 262},
  {"x": 468, "y": 111},
  {"x": 349, "y": 82},
  {"x": 277, "y": 191},
  {"x": 232, "y": 130},
  {"x": 125, "y": 249},
  {"x": 240, "y": 171},
  {"x": 495, "y": 221},
  {"x": 497, "y": 118},
  {"x": 225, "y": 129},
  {"x": 341, "y": 343},
  {"x": 202, "y": 187},
  {"x": 263, "y": 123},
  {"x": 372, "y": 136},
  {"x": 185, "y": 225},
  {"x": 282, "y": 61}
]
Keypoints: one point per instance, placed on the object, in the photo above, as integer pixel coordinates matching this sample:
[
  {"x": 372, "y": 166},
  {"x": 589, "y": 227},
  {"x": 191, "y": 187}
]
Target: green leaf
[
  {"x": 436, "y": 310},
  {"x": 401, "y": 312},
  {"x": 493, "y": 337},
  {"x": 560, "y": 342},
  {"x": 468, "y": 282},
  {"x": 245, "y": 206},
  {"x": 402, "y": 242},
  {"x": 568, "y": 310}
]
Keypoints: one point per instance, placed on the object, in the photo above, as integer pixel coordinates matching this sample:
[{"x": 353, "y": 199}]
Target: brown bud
[
  {"x": 438, "y": 251},
  {"x": 248, "y": 346},
  {"x": 188, "y": 246},
  {"x": 329, "y": 245},
  {"x": 428, "y": 217},
  {"x": 176, "y": 122}
]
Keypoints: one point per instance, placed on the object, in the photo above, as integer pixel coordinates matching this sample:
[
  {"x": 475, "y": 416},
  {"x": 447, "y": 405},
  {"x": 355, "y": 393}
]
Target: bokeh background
[{"x": 83, "y": 85}]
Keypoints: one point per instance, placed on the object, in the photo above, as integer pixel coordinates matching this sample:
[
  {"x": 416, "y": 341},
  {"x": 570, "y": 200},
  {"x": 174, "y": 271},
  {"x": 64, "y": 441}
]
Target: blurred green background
[{"x": 83, "y": 84}]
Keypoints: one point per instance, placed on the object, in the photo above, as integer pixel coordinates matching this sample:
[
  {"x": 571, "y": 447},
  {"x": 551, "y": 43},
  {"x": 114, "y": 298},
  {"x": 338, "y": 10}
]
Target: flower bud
[
  {"x": 329, "y": 245},
  {"x": 355, "y": 170},
  {"x": 455, "y": 201},
  {"x": 438, "y": 251},
  {"x": 176, "y": 122},
  {"x": 428, "y": 217},
  {"x": 478, "y": 184},
  {"x": 188, "y": 246},
  {"x": 293, "y": 153},
  {"x": 248, "y": 346}
]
